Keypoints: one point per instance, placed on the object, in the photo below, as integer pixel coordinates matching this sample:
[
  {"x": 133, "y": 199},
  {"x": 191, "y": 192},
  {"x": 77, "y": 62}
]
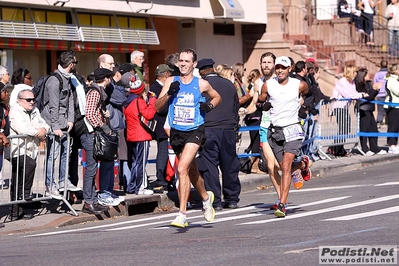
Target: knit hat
[
  {"x": 136, "y": 85},
  {"x": 125, "y": 80}
]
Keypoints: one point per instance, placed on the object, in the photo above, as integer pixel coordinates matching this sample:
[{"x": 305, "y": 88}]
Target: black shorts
[{"x": 179, "y": 138}]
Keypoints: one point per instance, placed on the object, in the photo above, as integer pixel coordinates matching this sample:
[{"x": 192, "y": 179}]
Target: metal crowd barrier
[
  {"x": 11, "y": 171},
  {"x": 338, "y": 124}
]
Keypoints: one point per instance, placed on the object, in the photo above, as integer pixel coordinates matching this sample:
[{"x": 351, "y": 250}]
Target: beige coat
[{"x": 23, "y": 123}]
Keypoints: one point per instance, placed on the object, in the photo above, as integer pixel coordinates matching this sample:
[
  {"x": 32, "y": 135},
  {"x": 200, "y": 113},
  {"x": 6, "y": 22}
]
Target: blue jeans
[
  {"x": 89, "y": 185},
  {"x": 393, "y": 42},
  {"x": 107, "y": 176},
  {"x": 53, "y": 149}
]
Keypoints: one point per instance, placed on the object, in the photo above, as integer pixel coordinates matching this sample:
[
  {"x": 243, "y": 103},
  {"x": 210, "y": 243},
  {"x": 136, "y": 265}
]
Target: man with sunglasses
[
  {"x": 25, "y": 119},
  {"x": 58, "y": 112},
  {"x": 285, "y": 134}
]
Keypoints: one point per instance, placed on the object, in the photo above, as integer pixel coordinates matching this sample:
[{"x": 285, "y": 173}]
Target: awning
[
  {"x": 102, "y": 47},
  {"x": 231, "y": 9},
  {"x": 11, "y": 43}
]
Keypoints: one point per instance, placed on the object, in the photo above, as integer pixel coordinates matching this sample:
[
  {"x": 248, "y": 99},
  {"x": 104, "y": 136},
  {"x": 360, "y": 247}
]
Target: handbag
[
  {"x": 105, "y": 147},
  {"x": 148, "y": 125},
  {"x": 245, "y": 163}
]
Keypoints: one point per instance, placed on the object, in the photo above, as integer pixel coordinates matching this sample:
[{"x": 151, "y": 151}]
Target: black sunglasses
[{"x": 28, "y": 99}]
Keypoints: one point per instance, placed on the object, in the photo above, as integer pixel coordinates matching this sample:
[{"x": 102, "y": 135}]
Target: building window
[
  {"x": 39, "y": 16},
  {"x": 110, "y": 21},
  {"x": 223, "y": 29},
  {"x": 15, "y": 14}
]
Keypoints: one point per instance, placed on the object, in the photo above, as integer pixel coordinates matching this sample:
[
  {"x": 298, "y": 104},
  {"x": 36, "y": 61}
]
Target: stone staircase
[{"x": 336, "y": 43}]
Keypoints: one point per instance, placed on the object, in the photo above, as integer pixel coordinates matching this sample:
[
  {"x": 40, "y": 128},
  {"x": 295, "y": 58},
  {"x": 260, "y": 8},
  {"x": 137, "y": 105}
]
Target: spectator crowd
[{"x": 177, "y": 111}]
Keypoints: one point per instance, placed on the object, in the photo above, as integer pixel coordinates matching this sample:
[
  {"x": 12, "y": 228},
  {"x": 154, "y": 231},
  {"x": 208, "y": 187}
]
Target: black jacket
[
  {"x": 226, "y": 114},
  {"x": 367, "y": 88}
]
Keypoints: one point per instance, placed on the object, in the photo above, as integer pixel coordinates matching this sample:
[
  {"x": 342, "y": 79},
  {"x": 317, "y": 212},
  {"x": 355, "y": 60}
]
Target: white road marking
[
  {"x": 251, "y": 215},
  {"x": 336, "y": 208},
  {"x": 319, "y": 189},
  {"x": 387, "y": 184},
  {"x": 386, "y": 211},
  {"x": 327, "y": 238},
  {"x": 110, "y": 225}
]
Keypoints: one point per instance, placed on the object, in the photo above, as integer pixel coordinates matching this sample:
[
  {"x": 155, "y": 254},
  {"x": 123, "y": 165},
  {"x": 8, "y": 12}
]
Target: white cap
[{"x": 283, "y": 60}]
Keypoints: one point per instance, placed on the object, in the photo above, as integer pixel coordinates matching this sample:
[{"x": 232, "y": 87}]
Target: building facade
[{"x": 33, "y": 34}]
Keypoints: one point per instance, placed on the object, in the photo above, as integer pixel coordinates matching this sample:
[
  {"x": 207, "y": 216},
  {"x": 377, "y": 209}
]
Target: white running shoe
[
  {"x": 180, "y": 221},
  {"x": 381, "y": 152},
  {"x": 393, "y": 150},
  {"x": 369, "y": 153},
  {"x": 207, "y": 207},
  {"x": 145, "y": 192}
]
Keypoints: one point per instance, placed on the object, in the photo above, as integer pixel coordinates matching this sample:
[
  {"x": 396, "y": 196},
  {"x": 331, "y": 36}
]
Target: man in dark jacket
[
  {"x": 162, "y": 72},
  {"x": 220, "y": 146}
]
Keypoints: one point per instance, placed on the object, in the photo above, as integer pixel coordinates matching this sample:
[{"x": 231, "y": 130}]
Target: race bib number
[
  {"x": 293, "y": 132},
  {"x": 183, "y": 115},
  {"x": 265, "y": 119}
]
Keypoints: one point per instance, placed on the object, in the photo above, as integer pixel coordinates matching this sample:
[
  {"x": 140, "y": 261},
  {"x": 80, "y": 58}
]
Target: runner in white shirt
[{"x": 285, "y": 134}]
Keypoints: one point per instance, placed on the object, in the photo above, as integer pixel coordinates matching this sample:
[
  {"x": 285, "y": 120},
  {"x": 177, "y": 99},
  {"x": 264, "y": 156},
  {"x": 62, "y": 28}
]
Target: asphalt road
[{"x": 355, "y": 208}]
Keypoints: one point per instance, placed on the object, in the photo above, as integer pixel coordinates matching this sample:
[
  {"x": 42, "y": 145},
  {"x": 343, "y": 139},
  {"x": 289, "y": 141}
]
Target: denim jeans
[
  {"x": 53, "y": 149},
  {"x": 310, "y": 127},
  {"x": 107, "y": 176},
  {"x": 89, "y": 185},
  {"x": 393, "y": 42}
]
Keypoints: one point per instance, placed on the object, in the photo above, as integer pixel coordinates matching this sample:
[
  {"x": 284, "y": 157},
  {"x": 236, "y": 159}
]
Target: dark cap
[
  {"x": 205, "y": 63},
  {"x": 101, "y": 73},
  {"x": 126, "y": 67},
  {"x": 162, "y": 68}
]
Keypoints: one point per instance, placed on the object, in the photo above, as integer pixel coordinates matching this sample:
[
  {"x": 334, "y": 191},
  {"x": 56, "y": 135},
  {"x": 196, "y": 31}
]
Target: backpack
[{"x": 38, "y": 90}]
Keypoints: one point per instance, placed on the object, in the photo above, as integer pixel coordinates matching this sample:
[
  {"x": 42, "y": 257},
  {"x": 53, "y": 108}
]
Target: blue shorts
[{"x": 263, "y": 134}]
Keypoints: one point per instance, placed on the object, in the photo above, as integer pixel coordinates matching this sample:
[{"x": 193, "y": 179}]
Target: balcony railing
[
  {"x": 11, "y": 29},
  {"x": 117, "y": 35},
  {"x": 47, "y": 31}
]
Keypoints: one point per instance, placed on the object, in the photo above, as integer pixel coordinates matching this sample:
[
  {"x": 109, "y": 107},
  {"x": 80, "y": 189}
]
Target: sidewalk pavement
[{"x": 51, "y": 214}]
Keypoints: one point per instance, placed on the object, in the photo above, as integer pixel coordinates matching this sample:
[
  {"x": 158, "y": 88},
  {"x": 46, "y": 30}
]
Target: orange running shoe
[
  {"x": 297, "y": 179},
  {"x": 305, "y": 172}
]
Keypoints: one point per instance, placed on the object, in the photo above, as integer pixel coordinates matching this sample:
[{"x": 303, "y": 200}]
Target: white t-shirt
[
  {"x": 367, "y": 7},
  {"x": 285, "y": 101}
]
